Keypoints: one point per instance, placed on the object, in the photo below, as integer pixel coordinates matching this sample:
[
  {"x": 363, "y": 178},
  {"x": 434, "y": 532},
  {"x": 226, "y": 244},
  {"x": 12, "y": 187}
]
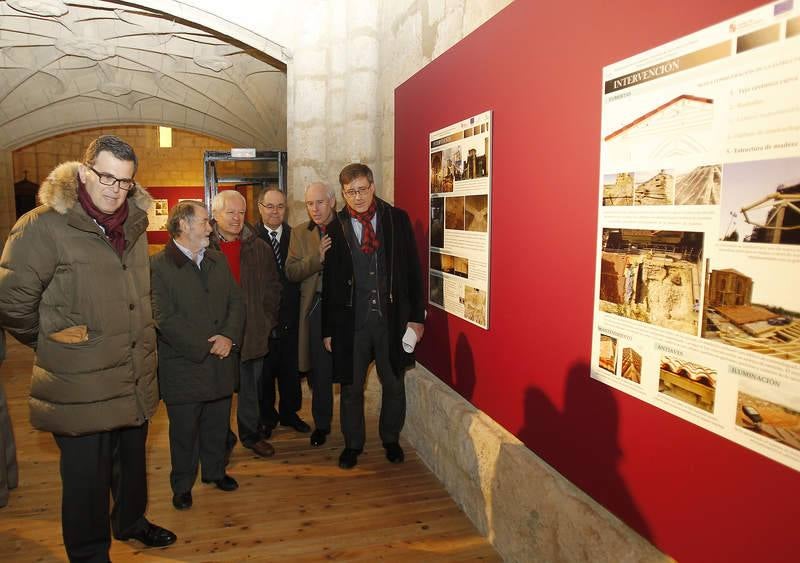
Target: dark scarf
[
  {"x": 369, "y": 240},
  {"x": 111, "y": 223}
]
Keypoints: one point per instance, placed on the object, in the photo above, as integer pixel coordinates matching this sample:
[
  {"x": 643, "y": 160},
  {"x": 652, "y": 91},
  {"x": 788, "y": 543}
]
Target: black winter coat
[
  {"x": 189, "y": 306},
  {"x": 406, "y": 300}
]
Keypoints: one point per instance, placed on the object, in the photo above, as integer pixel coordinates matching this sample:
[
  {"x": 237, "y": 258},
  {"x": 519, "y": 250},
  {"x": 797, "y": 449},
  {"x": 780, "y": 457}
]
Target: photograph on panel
[
  {"x": 761, "y": 201},
  {"x": 436, "y": 172},
  {"x": 476, "y": 213},
  {"x": 618, "y": 189},
  {"x": 699, "y": 185},
  {"x": 738, "y": 311},
  {"x": 608, "y": 353},
  {"x": 437, "y": 222},
  {"x": 652, "y": 276},
  {"x": 436, "y": 294},
  {"x": 475, "y": 305},
  {"x": 454, "y": 213},
  {"x": 769, "y": 412},
  {"x": 653, "y": 187},
  {"x": 631, "y": 365},
  {"x": 691, "y": 383}
]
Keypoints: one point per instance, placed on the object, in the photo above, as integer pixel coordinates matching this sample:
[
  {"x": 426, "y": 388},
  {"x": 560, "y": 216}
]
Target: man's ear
[{"x": 82, "y": 170}]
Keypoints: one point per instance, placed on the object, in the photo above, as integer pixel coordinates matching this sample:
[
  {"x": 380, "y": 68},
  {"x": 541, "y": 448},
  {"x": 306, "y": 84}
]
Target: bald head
[{"x": 320, "y": 202}]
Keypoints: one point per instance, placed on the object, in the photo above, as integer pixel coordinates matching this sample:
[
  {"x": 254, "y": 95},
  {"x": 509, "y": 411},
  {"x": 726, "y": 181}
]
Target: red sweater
[{"x": 233, "y": 252}]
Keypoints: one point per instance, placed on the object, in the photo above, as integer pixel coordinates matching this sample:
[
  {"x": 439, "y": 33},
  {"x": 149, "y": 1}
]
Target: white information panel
[{"x": 697, "y": 289}]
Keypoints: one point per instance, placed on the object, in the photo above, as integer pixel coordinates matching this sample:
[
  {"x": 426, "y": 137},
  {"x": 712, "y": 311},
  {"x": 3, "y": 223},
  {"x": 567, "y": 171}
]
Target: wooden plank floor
[{"x": 297, "y": 506}]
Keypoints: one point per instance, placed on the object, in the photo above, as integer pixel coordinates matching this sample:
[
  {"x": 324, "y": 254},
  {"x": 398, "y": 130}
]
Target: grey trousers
[
  {"x": 371, "y": 342},
  {"x": 321, "y": 374},
  {"x": 8, "y": 451},
  {"x": 249, "y": 404},
  {"x": 197, "y": 434}
]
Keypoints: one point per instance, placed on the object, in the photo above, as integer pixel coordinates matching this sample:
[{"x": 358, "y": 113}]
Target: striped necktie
[{"x": 276, "y": 246}]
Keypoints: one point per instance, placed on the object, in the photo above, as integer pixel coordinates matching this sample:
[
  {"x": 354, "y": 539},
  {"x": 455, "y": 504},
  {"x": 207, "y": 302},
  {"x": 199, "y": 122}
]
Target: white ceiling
[{"x": 67, "y": 66}]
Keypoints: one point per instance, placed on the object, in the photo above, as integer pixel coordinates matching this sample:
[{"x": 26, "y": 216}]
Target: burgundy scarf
[
  {"x": 111, "y": 223},
  {"x": 369, "y": 240}
]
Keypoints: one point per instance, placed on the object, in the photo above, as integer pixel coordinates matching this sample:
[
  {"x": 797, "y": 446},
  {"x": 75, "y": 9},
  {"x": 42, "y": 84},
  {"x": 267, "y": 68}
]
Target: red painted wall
[
  {"x": 538, "y": 65},
  {"x": 173, "y": 194}
]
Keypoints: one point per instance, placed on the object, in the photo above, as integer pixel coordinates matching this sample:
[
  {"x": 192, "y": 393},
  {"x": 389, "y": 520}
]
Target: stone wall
[
  {"x": 181, "y": 165},
  {"x": 523, "y": 506},
  {"x": 8, "y": 215}
]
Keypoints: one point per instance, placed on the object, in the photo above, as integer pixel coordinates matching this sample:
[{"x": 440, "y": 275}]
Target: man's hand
[
  {"x": 324, "y": 245},
  {"x": 327, "y": 343},
  {"x": 418, "y": 329},
  {"x": 220, "y": 346}
]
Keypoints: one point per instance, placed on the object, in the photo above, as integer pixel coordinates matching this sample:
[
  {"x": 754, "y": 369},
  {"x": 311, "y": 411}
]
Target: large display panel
[
  {"x": 697, "y": 307},
  {"x": 460, "y": 218}
]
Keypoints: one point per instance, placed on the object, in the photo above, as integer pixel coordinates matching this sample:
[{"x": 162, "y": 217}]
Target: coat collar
[{"x": 174, "y": 253}]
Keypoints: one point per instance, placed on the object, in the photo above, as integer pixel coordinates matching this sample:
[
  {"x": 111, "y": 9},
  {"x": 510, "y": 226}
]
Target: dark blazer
[
  {"x": 406, "y": 300},
  {"x": 189, "y": 306},
  {"x": 289, "y": 312}
]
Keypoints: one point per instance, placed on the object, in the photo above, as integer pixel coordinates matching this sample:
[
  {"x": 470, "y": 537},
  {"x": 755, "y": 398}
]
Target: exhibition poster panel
[
  {"x": 460, "y": 218},
  {"x": 697, "y": 288}
]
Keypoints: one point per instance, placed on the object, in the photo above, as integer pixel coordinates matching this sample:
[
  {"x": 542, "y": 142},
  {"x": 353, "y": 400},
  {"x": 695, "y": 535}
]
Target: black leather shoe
[
  {"x": 152, "y": 536},
  {"x": 182, "y": 501},
  {"x": 394, "y": 453},
  {"x": 349, "y": 458},
  {"x": 227, "y": 483},
  {"x": 318, "y": 437},
  {"x": 298, "y": 424}
]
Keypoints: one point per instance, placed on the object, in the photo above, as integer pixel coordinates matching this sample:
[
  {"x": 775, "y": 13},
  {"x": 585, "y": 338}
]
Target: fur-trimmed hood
[{"x": 60, "y": 189}]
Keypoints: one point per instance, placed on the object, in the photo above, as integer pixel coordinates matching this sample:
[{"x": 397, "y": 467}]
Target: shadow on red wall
[{"x": 538, "y": 67}]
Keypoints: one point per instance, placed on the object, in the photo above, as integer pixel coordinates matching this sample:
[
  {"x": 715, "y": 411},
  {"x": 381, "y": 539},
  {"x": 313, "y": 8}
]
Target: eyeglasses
[
  {"x": 272, "y": 207},
  {"x": 124, "y": 184},
  {"x": 353, "y": 193}
]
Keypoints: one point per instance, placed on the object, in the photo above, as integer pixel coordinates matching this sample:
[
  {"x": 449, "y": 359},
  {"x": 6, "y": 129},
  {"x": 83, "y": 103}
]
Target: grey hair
[
  {"x": 330, "y": 191},
  {"x": 183, "y": 210},
  {"x": 268, "y": 189},
  {"x": 219, "y": 201}
]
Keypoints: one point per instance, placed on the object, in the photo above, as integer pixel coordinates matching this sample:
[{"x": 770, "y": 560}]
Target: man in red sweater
[{"x": 253, "y": 266}]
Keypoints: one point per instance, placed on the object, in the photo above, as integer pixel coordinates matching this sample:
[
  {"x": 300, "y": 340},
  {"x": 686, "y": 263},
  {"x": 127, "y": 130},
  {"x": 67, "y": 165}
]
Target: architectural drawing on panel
[{"x": 679, "y": 127}]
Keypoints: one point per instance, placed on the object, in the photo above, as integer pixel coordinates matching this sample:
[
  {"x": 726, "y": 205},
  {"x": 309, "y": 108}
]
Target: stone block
[
  {"x": 525, "y": 508},
  {"x": 363, "y": 53},
  {"x": 309, "y": 100}
]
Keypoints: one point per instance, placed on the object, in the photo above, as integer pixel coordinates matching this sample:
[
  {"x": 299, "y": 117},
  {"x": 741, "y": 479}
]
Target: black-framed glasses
[
  {"x": 272, "y": 207},
  {"x": 124, "y": 184},
  {"x": 357, "y": 192}
]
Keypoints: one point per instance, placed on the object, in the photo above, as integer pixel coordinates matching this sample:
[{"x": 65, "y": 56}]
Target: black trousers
[
  {"x": 321, "y": 373},
  {"x": 91, "y": 466},
  {"x": 372, "y": 343},
  {"x": 197, "y": 436},
  {"x": 280, "y": 366}
]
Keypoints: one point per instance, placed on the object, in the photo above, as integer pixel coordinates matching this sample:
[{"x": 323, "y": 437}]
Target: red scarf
[
  {"x": 369, "y": 240},
  {"x": 112, "y": 223}
]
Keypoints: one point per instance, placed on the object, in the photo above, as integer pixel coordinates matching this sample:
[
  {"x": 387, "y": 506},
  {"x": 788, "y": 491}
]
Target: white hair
[
  {"x": 329, "y": 190},
  {"x": 218, "y": 203}
]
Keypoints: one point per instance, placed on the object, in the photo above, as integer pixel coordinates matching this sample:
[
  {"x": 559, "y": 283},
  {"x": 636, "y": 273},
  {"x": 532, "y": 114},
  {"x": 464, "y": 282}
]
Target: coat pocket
[{"x": 71, "y": 335}]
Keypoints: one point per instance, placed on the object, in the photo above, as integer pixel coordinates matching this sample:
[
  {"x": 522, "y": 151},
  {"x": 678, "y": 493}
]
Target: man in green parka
[{"x": 75, "y": 286}]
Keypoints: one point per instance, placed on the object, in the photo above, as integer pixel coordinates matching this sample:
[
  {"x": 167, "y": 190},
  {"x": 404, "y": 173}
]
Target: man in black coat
[
  {"x": 199, "y": 312},
  {"x": 372, "y": 298},
  {"x": 281, "y": 365}
]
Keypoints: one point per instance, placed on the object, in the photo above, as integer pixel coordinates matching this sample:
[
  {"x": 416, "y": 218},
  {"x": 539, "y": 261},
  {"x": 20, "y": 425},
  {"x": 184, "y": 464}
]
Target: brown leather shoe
[{"x": 263, "y": 449}]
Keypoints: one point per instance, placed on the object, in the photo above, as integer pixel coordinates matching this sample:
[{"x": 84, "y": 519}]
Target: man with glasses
[
  {"x": 307, "y": 250},
  {"x": 280, "y": 365},
  {"x": 75, "y": 286},
  {"x": 371, "y": 298}
]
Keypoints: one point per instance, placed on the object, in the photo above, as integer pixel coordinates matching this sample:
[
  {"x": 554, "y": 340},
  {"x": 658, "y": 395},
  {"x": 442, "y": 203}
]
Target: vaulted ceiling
[{"x": 66, "y": 66}]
